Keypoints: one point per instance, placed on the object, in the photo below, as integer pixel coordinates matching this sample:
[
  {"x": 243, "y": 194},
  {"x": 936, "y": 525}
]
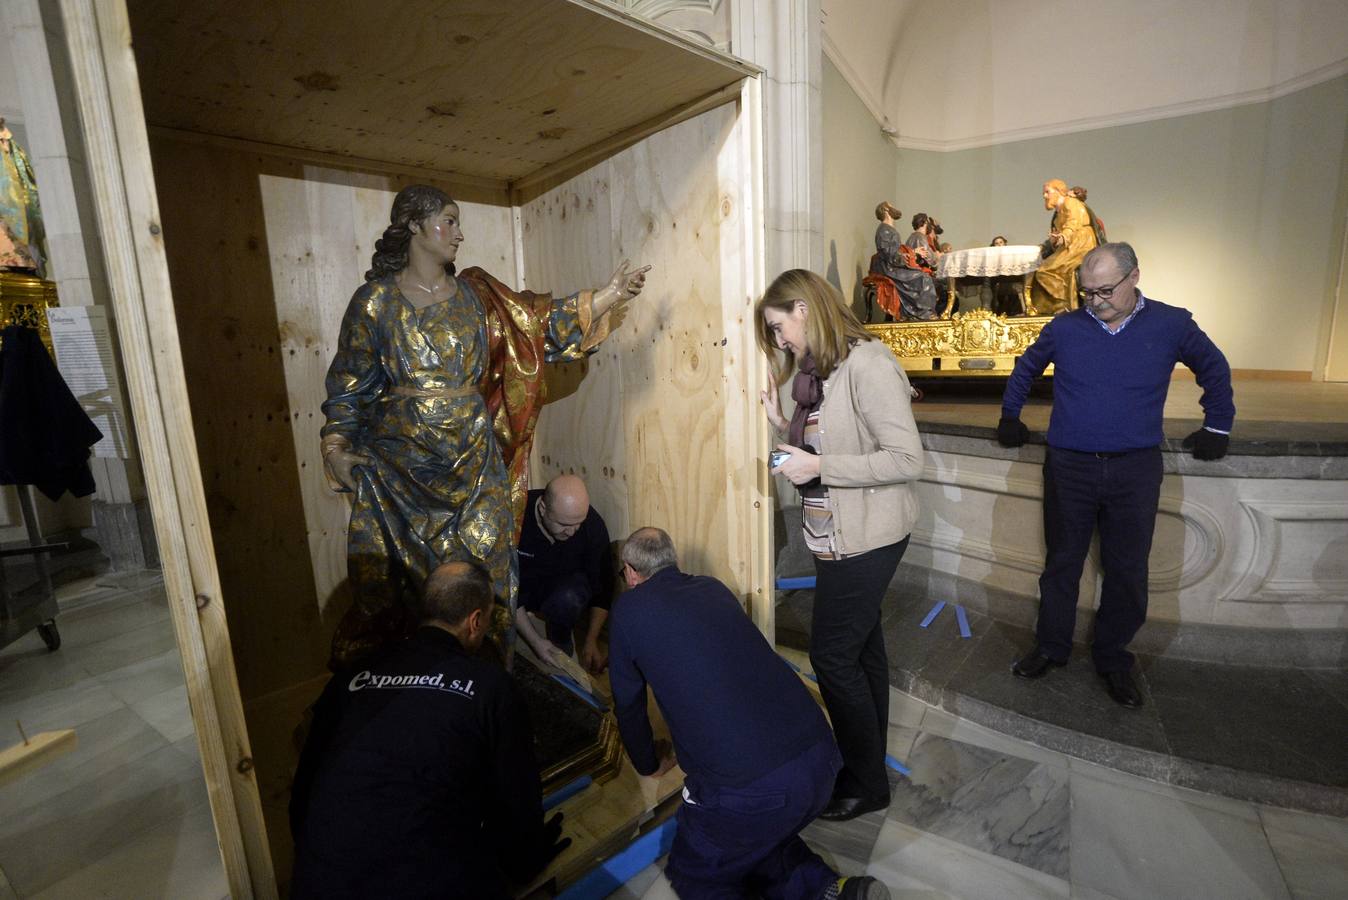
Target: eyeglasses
[{"x": 1103, "y": 293}]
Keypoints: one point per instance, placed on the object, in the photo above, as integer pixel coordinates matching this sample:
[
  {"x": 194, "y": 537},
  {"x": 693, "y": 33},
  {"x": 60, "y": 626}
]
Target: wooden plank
[
  {"x": 478, "y": 87},
  {"x": 118, "y": 155},
  {"x": 746, "y": 426},
  {"x": 481, "y": 190},
  {"x": 555, "y": 173},
  {"x": 36, "y": 752}
]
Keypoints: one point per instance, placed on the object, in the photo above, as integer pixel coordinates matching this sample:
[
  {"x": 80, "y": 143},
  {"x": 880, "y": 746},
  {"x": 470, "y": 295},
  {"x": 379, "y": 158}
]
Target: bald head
[
  {"x": 565, "y": 504},
  {"x": 454, "y": 590}
]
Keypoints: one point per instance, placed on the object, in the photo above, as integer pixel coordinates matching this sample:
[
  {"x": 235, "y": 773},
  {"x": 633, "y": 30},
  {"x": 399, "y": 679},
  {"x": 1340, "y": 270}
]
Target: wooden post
[{"x": 113, "y": 121}]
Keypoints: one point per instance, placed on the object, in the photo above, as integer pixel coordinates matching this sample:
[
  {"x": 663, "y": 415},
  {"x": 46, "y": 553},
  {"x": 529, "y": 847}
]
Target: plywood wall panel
[
  {"x": 654, "y": 404},
  {"x": 569, "y": 246}
]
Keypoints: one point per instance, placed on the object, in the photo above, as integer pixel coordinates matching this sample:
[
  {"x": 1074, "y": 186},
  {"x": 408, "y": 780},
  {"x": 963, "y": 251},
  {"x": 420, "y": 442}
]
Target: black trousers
[
  {"x": 1118, "y": 495},
  {"x": 847, "y": 650}
]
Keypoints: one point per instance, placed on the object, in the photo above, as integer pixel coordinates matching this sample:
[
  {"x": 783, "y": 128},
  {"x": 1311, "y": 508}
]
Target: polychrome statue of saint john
[{"x": 433, "y": 396}]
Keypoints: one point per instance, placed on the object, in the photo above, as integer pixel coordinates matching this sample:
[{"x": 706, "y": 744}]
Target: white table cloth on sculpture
[{"x": 990, "y": 262}]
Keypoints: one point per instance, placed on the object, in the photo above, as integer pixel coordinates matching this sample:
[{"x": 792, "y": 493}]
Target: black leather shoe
[
  {"x": 840, "y": 809},
  {"x": 1035, "y": 665},
  {"x": 859, "y": 887},
  {"x": 1122, "y": 689}
]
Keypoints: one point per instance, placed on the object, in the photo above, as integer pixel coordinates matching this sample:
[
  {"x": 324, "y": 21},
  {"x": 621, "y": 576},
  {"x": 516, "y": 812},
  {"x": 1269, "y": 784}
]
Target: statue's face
[
  {"x": 1051, "y": 196},
  {"x": 441, "y": 233}
]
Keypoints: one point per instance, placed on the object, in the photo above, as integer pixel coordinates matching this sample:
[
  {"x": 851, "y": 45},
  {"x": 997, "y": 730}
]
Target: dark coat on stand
[{"x": 45, "y": 434}]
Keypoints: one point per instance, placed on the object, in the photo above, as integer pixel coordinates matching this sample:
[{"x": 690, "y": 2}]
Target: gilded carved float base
[
  {"x": 970, "y": 344},
  {"x": 24, "y": 301}
]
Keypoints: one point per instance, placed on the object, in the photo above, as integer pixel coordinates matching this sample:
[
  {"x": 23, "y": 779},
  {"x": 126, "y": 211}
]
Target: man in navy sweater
[
  {"x": 759, "y": 757},
  {"x": 1112, "y": 358}
]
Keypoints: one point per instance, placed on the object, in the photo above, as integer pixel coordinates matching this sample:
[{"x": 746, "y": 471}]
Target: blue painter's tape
[
  {"x": 570, "y": 684},
  {"x": 940, "y": 605},
  {"x": 621, "y": 867},
  {"x": 896, "y": 765},
  {"x": 566, "y": 792},
  {"x": 805, "y": 582},
  {"x": 964, "y": 622},
  {"x": 794, "y": 668}
]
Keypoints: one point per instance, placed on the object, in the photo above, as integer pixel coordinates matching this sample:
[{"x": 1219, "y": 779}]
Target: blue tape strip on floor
[
  {"x": 570, "y": 684},
  {"x": 896, "y": 765},
  {"x": 798, "y": 670},
  {"x": 805, "y": 582},
  {"x": 964, "y": 622},
  {"x": 566, "y": 792},
  {"x": 940, "y": 605},
  {"x": 621, "y": 867}
]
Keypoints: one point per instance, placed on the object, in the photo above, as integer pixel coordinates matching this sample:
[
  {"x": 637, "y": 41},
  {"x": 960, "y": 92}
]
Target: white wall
[
  {"x": 860, "y": 166},
  {"x": 964, "y": 73}
]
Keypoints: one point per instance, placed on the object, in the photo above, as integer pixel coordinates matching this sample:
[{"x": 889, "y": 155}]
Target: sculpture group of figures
[{"x": 905, "y": 277}]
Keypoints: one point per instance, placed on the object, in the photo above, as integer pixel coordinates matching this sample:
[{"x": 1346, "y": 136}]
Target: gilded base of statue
[
  {"x": 24, "y": 300},
  {"x": 977, "y": 343},
  {"x": 571, "y": 737}
]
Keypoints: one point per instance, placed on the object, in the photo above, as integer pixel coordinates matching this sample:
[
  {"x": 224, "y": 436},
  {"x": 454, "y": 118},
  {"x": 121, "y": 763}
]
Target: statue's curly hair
[{"x": 414, "y": 203}]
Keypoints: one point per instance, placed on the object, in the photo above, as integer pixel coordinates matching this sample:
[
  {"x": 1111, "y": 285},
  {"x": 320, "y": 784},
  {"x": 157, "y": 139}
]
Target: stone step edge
[{"x": 1176, "y": 771}]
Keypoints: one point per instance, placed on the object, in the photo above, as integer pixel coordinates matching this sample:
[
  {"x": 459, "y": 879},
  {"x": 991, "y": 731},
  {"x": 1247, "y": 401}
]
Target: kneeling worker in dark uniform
[
  {"x": 758, "y": 754},
  {"x": 418, "y": 778}
]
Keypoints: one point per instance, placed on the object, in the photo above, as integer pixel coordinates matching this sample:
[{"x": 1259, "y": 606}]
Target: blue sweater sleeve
[
  {"x": 1030, "y": 366},
  {"x": 1213, "y": 373},
  {"x": 629, "y": 704}
]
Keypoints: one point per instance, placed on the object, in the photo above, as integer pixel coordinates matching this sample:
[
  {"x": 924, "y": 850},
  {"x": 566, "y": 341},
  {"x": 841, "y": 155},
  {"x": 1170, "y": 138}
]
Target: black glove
[
  {"x": 1206, "y": 445},
  {"x": 1012, "y": 432},
  {"x": 552, "y": 843}
]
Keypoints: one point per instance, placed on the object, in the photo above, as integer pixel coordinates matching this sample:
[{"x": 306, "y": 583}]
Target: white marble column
[{"x": 784, "y": 37}]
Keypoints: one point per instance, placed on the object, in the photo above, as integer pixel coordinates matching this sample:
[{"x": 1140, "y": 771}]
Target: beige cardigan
[{"x": 870, "y": 450}]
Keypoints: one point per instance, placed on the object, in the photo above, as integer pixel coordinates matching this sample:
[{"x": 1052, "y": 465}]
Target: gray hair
[
  {"x": 648, "y": 551},
  {"x": 1123, "y": 254}
]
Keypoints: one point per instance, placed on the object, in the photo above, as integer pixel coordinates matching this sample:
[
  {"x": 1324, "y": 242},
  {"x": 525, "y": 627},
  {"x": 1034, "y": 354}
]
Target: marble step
[{"x": 1267, "y": 735}]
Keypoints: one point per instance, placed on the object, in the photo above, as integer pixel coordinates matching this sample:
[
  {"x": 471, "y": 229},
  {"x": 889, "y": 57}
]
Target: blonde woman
[{"x": 853, "y": 454}]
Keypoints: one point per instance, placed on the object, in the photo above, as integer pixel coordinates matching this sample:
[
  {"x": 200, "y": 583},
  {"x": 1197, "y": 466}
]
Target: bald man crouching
[
  {"x": 418, "y": 778},
  {"x": 566, "y": 570}
]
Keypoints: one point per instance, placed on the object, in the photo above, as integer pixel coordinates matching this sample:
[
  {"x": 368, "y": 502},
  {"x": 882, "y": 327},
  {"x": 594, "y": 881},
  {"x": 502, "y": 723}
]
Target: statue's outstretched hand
[
  {"x": 340, "y": 465},
  {"x": 625, "y": 284}
]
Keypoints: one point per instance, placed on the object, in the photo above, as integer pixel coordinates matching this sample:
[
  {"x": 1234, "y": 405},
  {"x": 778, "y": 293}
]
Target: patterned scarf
[{"x": 807, "y": 389}]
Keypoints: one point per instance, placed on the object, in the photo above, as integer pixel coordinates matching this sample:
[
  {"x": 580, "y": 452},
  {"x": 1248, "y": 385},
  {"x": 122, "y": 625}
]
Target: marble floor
[
  {"x": 125, "y": 814},
  {"x": 987, "y": 816}
]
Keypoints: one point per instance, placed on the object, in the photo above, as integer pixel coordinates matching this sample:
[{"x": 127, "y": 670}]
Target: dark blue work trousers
[
  {"x": 745, "y": 841},
  {"x": 1116, "y": 494},
  {"x": 561, "y": 605}
]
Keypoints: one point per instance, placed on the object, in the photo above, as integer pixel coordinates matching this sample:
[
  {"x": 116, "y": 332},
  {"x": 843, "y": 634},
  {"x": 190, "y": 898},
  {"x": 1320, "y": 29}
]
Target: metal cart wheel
[{"x": 50, "y": 636}]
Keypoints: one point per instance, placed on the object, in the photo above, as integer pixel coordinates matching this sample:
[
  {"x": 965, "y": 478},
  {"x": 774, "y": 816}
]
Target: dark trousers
[
  {"x": 561, "y": 604},
  {"x": 847, "y": 650},
  {"x": 1117, "y": 495},
  {"x": 745, "y": 841}
]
